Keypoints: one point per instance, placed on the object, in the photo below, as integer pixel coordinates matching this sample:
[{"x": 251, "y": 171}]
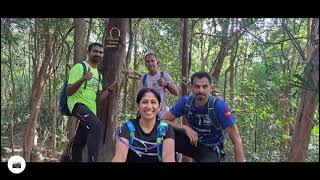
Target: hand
[
  {"x": 162, "y": 82},
  {"x": 87, "y": 76},
  {"x": 192, "y": 135},
  {"x": 113, "y": 85}
]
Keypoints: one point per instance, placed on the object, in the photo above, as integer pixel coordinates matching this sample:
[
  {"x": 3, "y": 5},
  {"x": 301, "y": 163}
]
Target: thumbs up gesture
[
  {"x": 162, "y": 82},
  {"x": 88, "y": 75}
]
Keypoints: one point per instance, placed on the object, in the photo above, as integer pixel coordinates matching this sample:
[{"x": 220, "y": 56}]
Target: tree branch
[{"x": 270, "y": 43}]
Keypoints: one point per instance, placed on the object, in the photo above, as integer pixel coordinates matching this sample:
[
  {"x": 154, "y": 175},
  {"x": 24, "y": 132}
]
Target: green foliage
[{"x": 267, "y": 77}]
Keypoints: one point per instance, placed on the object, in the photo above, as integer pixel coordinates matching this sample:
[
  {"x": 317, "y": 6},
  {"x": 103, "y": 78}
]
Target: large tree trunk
[
  {"x": 79, "y": 39},
  {"x": 308, "y": 101},
  {"x": 185, "y": 66},
  {"x": 111, "y": 69},
  {"x": 79, "y": 54},
  {"x": 40, "y": 82}
]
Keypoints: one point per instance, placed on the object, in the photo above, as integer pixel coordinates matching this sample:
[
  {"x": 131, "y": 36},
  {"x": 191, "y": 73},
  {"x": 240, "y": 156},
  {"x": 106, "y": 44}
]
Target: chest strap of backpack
[
  {"x": 84, "y": 72},
  {"x": 161, "y": 132},
  {"x": 188, "y": 106},
  {"x": 218, "y": 127},
  {"x": 132, "y": 130}
]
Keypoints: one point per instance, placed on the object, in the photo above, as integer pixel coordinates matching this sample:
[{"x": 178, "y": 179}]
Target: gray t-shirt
[{"x": 152, "y": 83}]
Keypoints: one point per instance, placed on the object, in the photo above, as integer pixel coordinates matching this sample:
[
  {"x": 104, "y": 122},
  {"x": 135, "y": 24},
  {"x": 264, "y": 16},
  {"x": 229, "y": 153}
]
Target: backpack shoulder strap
[
  {"x": 84, "y": 72},
  {"x": 144, "y": 78},
  {"x": 99, "y": 74},
  {"x": 161, "y": 74},
  {"x": 212, "y": 114},
  {"x": 188, "y": 105},
  {"x": 162, "y": 129},
  {"x": 161, "y": 132},
  {"x": 131, "y": 130}
]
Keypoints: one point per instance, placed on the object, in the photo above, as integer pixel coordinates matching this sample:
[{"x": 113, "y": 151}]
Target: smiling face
[
  {"x": 151, "y": 63},
  {"x": 149, "y": 106},
  {"x": 96, "y": 54}
]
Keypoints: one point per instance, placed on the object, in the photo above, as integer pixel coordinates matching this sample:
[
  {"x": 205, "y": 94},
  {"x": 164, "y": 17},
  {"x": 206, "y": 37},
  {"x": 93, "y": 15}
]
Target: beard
[
  {"x": 200, "y": 97},
  {"x": 96, "y": 59}
]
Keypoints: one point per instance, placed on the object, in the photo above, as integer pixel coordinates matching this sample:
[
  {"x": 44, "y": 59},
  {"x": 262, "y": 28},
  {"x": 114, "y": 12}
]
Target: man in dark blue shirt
[{"x": 209, "y": 121}]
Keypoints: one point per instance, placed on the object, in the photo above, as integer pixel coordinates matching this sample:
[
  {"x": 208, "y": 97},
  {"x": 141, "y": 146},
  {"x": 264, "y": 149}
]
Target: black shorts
[{"x": 200, "y": 153}]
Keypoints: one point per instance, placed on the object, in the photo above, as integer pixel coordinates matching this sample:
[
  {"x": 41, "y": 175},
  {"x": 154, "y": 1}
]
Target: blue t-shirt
[{"x": 200, "y": 121}]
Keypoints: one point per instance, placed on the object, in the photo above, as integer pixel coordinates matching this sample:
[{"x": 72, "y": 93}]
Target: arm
[
  {"x": 166, "y": 82},
  {"x": 73, "y": 88},
  {"x": 168, "y": 152},
  {"x": 172, "y": 89},
  {"x": 237, "y": 142},
  {"x": 192, "y": 135},
  {"x": 121, "y": 151},
  {"x": 170, "y": 120},
  {"x": 104, "y": 94}
]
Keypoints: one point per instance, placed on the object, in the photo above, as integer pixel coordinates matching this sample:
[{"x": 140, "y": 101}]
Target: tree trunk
[
  {"x": 35, "y": 58},
  {"x": 184, "y": 55},
  {"x": 40, "y": 82},
  {"x": 54, "y": 124},
  {"x": 193, "y": 23},
  {"x": 111, "y": 70},
  {"x": 79, "y": 39},
  {"x": 224, "y": 48},
  {"x": 309, "y": 100},
  {"x": 234, "y": 53},
  {"x": 127, "y": 62},
  {"x": 184, "y": 68},
  {"x": 185, "y": 58},
  {"x": 135, "y": 67},
  {"x": 13, "y": 93},
  {"x": 89, "y": 32},
  {"x": 79, "y": 54}
]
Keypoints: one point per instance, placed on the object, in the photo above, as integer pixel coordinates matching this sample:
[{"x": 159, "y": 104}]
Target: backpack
[
  {"x": 63, "y": 96},
  {"x": 161, "y": 132},
  {"x": 145, "y": 77},
  {"x": 216, "y": 123}
]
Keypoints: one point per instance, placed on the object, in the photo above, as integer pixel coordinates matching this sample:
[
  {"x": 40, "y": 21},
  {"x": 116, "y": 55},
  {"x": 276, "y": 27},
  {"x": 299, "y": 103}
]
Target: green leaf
[
  {"x": 299, "y": 77},
  {"x": 315, "y": 130}
]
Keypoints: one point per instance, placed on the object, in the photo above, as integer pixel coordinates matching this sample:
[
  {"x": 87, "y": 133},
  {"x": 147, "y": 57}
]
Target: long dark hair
[{"x": 140, "y": 95}]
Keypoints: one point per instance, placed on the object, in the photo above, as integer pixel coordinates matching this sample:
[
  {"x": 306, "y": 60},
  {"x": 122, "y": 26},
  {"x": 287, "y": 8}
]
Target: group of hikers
[{"x": 153, "y": 136}]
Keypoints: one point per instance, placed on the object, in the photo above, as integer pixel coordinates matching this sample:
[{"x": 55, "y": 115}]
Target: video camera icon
[{"x": 16, "y": 164}]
